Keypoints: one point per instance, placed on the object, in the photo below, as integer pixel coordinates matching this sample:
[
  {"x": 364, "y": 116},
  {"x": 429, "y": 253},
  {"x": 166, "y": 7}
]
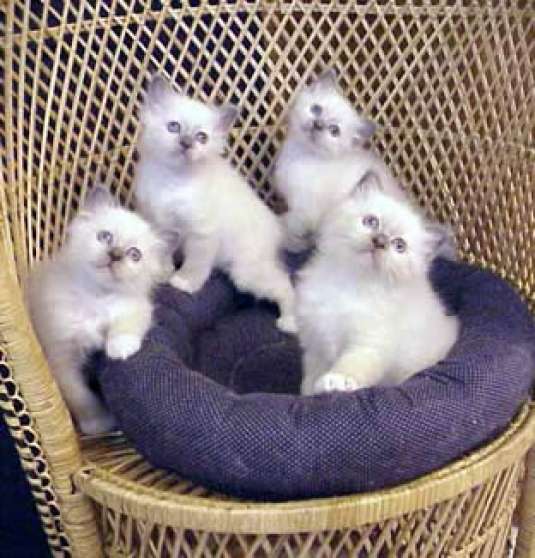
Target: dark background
[{"x": 21, "y": 535}]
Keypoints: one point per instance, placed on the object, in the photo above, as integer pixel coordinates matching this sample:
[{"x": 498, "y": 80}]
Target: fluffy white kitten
[
  {"x": 323, "y": 156},
  {"x": 200, "y": 203},
  {"x": 366, "y": 310},
  {"x": 95, "y": 294}
]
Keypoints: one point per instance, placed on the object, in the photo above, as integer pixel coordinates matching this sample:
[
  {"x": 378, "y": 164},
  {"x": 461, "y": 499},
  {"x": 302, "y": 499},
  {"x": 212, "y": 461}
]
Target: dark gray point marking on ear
[
  {"x": 328, "y": 77},
  {"x": 368, "y": 181},
  {"x": 366, "y": 128},
  {"x": 159, "y": 88},
  {"x": 227, "y": 115},
  {"x": 443, "y": 243},
  {"x": 99, "y": 196},
  {"x": 363, "y": 132}
]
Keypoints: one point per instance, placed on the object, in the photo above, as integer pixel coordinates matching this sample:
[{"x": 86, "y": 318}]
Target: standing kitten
[
  {"x": 366, "y": 310},
  {"x": 201, "y": 203},
  {"x": 95, "y": 294},
  {"x": 322, "y": 157}
]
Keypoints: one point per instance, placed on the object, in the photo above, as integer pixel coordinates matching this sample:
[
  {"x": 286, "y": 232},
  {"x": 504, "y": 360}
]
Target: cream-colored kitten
[
  {"x": 95, "y": 294},
  {"x": 200, "y": 203},
  {"x": 366, "y": 310},
  {"x": 322, "y": 158}
]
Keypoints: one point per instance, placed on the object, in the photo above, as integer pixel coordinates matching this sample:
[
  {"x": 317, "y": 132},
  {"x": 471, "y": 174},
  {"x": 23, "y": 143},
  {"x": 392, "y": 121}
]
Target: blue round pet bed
[{"x": 212, "y": 395}]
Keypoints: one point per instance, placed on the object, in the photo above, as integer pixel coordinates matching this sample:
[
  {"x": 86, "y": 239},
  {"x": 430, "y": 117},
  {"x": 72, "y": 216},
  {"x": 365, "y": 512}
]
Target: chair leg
[{"x": 525, "y": 543}]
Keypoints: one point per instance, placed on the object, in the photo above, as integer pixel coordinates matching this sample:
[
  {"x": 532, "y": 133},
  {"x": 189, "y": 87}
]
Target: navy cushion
[{"x": 212, "y": 395}]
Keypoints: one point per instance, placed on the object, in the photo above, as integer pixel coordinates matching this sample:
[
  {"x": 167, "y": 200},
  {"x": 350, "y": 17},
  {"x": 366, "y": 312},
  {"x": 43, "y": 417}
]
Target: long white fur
[
  {"x": 316, "y": 171},
  {"x": 200, "y": 203},
  {"x": 80, "y": 303},
  {"x": 370, "y": 316}
]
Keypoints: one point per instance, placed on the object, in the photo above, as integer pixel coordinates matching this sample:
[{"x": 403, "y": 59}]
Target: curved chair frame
[{"x": 451, "y": 85}]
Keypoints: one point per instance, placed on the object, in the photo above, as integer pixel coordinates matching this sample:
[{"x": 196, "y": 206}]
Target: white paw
[
  {"x": 167, "y": 271},
  {"x": 98, "y": 424},
  {"x": 183, "y": 283},
  {"x": 307, "y": 386},
  {"x": 333, "y": 381},
  {"x": 123, "y": 346},
  {"x": 287, "y": 323}
]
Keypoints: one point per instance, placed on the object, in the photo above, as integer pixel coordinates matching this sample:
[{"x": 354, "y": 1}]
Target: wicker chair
[{"x": 451, "y": 85}]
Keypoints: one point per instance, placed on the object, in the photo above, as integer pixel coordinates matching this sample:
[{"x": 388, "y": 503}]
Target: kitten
[
  {"x": 366, "y": 310},
  {"x": 95, "y": 294},
  {"x": 201, "y": 204},
  {"x": 323, "y": 154}
]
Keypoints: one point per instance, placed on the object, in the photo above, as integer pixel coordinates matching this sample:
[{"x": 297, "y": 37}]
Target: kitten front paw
[
  {"x": 333, "y": 381},
  {"x": 287, "y": 323},
  {"x": 183, "y": 283},
  {"x": 98, "y": 424},
  {"x": 307, "y": 386},
  {"x": 123, "y": 346}
]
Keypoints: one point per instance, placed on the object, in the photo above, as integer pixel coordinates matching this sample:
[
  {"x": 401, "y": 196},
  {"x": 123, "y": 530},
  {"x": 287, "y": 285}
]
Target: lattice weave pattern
[
  {"x": 475, "y": 523},
  {"x": 451, "y": 87},
  {"x": 32, "y": 457}
]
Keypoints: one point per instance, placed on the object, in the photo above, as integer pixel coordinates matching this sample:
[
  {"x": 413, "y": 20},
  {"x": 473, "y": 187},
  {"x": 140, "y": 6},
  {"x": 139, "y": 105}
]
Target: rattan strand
[
  {"x": 451, "y": 85},
  {"x": 30, "y": 451},
  {"x": 115, "y": 477},
  {"x": 48, "y": 448}
]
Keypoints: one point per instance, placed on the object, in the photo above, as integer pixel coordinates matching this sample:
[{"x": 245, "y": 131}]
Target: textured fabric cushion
[{"x": 210, "y": 395}]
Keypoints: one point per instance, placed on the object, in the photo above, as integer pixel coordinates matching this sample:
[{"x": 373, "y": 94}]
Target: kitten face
[
  {"x": 326, "y": 121},
  {"x": 117, "y": 249},
  {"x": 179, "y": 129},
  {"x": 384, "y": 236}
]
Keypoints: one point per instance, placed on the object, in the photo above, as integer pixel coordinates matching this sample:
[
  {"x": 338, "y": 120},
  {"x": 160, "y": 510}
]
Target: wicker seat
[{"x": 451, "y": 86}]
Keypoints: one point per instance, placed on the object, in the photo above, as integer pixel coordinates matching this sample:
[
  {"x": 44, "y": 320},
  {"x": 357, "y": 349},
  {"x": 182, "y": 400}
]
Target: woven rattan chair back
[{"x": 450, "y": 84}]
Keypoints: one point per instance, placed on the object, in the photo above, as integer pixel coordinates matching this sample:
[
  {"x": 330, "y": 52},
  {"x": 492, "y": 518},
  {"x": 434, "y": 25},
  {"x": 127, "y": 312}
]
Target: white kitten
[
  {"x": 323, "y": 156},
  {"x": 366, "y": 310},
  {"x": 95, "y": 294},
  {"x": 200, "y": 203}
]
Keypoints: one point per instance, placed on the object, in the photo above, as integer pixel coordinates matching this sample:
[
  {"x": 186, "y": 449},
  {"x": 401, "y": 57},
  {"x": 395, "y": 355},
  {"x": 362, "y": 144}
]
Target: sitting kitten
[
  {"x": 366, "y": 310},
  {"x": 95, "y": 294},
  {"x": 201, "y": 204},
  {"x": 322, "y": 157}
]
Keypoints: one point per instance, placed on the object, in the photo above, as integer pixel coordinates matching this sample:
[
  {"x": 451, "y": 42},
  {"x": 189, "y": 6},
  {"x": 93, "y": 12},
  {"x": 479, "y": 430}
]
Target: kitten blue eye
[
  {"x": 316, "y": 110},
  {"x": 201, "y": 137},
  {"x": 173, "y": 127},
  {"x": 370, "y": 221},
  {"x": 105, "y": 236},
  {"x": 399, "y": 245},
  {"x": 134, "y": 254},
  {"x": 334, "y": 130}
]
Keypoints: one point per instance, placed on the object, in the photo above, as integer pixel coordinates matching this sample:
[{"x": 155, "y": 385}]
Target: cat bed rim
[
  {"x": 211, "y": 432},
  {"x": 214, "y": 512}
]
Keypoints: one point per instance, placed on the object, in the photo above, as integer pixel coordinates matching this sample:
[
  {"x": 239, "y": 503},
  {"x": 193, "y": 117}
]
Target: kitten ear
[
  {"x": 441, "y": 241},
  {"x": 369, "y": 181},
  {"x": 327, "y": 79},
  {"x": 363, "y": 131},
  {"x": 226, "y": 117},
  {"x": 99, "y": 196},
  {"x": 158, "y": 90}
]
